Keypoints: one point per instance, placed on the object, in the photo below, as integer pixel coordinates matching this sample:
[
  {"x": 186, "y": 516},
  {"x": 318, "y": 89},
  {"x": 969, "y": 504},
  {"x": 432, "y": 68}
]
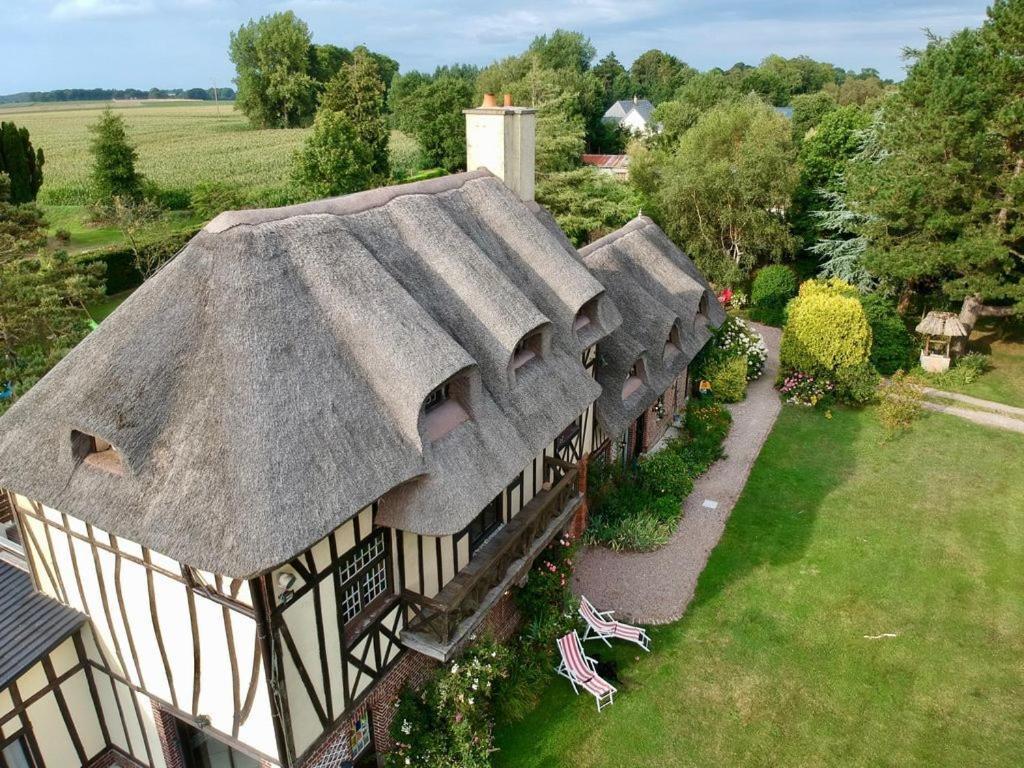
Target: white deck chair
[
  {"x": 579, "y": 669},
  {"x": 601, "y": 625}
]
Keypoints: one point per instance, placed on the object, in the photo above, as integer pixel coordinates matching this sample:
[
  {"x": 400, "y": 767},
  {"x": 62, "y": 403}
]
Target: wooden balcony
[{"x": 440, "y": 626}]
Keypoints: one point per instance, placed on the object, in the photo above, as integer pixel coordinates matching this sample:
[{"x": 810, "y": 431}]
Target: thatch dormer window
[
  {"x": 443, "y": 408},
  {"x": 702, "y": 307},
  {"x": 672, "y": 344},
  {"x": 634, "y": 380},
  {"x": 585, "y": 325},
  {"x": 97, "y": 453},
  {"x": 527, "y": 351}
]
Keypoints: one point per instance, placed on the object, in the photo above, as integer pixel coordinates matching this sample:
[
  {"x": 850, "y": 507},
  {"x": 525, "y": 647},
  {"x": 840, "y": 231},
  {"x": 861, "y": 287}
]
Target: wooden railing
[{"x": 440, "y": 616}]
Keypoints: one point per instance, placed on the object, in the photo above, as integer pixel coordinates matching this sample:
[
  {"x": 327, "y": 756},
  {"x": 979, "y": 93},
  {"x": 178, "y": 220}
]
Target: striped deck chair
[
  {"x": 601, "y": 625},
  {"x": 579, "y": 669}
]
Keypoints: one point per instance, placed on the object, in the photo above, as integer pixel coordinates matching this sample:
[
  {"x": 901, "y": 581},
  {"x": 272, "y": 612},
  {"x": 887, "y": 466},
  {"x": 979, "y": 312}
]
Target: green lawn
[
  {"x": 1004, "y": 341},
  {"x": 837, "y": 536},
  {"x": 102, "y": 309}
]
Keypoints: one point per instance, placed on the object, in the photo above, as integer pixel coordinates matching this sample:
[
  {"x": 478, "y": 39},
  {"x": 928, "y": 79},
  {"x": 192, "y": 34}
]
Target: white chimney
[{"x": 503, "y": 140}]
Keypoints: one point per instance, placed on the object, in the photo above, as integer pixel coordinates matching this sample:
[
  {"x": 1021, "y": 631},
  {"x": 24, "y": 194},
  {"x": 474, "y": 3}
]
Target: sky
[{"x": 50, "y": 44}]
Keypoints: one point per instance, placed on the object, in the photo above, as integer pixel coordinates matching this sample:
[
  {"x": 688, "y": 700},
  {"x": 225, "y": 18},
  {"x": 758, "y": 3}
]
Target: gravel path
[
  {"x": 996, "y": 415},
  {"x": 656, "y": 587}
]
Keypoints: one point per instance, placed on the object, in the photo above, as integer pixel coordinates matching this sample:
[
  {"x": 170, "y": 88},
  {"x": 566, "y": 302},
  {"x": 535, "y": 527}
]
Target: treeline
[{"x": 109, "y": 94}]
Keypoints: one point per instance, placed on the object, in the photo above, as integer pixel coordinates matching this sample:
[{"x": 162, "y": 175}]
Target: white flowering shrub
[
  {"x": 449, "y": 723},
  {"x": 734, "y": 338}
]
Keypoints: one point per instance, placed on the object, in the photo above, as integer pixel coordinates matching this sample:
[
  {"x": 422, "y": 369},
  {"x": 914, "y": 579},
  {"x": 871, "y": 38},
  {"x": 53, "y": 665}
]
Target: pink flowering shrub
[{"x": 801, "y": 388}]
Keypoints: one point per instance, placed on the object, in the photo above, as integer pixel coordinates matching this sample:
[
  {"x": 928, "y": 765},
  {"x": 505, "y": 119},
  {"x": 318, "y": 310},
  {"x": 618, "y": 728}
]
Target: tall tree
[
  {"x": 723, "y": 188},
  {"x": 21, "y": 162},
  {"x": 563, "y": 50},
  {"x": 114, "y": 157},
  {"x": 430, "y": 109},
  {"x": 333, "y": 160},
  {"x": 658, "y": 75},
  {"x": 272, "y": 61},
  {"x": 942, "y": 182},
  {"x": 358, "y": 90},
  {"x": 615, "y": 79}
]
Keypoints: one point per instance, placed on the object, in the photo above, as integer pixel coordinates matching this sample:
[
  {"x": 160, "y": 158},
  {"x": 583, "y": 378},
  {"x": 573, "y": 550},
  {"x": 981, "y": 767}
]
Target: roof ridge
[
  {"x": 344, "y": 205},
  {"x": 634, "y": 224}
]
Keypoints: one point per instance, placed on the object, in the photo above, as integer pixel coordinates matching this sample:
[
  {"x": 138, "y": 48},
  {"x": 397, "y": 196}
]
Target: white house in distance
[
  {"x": 307, "y": 460},
  {"x": 635, "y": 116}
]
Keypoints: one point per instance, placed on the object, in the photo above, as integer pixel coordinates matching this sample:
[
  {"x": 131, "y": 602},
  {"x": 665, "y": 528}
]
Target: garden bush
[
  {"x": 966, "y": 370},
  {"x": 826, "y": 330},
  {"x": 732, "y": 338},
  {"x": 449, "y": 723},
  {"x": 640, "y": 509},
  {"x": 893, "y": 348},
  {"x": 900, "y": 402},
  {"x": 728, "y": 379},
  {"x": 772, "y": 289},
  {"x": 857, "y": 384}
]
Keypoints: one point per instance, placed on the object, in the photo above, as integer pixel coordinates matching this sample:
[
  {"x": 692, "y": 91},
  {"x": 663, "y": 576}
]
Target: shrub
[
  {"x": 450, "y": 721},
  {"x": 62, "y": 235},
  {"x": 857, "y": 384},
  {"x": 899, "y": 402},
  {"x": 640, "y": 510},
  {"x": 772, "y": 289},
  {"x": 966, "y": 370},
  {"x": 210, "y": 198},
  {"x": 801, "y": 388},
  {"x": 728, "y": 379},
  {"x": 826, "y": 330},
  {"x": 664, "y": 474},
  {"x": 732, "y": 338},
  {"x": 893, "y": 348}
]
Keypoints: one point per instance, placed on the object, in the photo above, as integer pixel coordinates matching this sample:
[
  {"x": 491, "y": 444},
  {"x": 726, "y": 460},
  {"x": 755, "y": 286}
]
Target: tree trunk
[{"x": 972, "y": 309}]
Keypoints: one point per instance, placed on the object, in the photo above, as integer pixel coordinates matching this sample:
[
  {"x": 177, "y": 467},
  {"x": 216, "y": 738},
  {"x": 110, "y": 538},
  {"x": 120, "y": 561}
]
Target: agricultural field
[{"x": 180, "y": 143}]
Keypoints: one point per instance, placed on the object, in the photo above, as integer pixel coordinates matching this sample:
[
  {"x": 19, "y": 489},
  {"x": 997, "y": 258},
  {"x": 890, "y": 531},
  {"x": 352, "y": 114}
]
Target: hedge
[
  {"x": 773, "y": 287},
  {"x": 120, "y": 260}
]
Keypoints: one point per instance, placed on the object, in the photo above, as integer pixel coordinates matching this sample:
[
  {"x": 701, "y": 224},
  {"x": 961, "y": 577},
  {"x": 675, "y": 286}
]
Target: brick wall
[
  {"x": 675, "y": 398},
  {"x": 578, "y": 523},
  {"x": 111, "y": 758},
  {"x": 167, "y": 731},
  {"x": 414, "y": 669}
]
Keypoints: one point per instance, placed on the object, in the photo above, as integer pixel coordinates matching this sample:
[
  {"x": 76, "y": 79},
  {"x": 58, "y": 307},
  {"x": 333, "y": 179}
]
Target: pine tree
[
  {"x": 22, "y": 164},
  {"x": 358, "y": 90},
  {"x": 113, "y": 172}
]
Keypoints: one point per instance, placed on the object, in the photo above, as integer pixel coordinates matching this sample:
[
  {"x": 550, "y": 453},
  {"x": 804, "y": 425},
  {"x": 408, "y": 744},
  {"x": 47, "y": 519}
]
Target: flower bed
[{"x": 639, "y": 508}]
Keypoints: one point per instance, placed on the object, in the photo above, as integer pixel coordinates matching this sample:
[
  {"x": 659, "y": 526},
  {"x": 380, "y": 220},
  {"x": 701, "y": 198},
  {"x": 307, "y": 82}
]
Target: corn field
[{"x": 179, "y": 144}]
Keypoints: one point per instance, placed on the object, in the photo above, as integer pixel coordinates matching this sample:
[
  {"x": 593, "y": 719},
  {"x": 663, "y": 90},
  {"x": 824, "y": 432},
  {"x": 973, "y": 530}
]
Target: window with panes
[{"x": 364, "y": 576}]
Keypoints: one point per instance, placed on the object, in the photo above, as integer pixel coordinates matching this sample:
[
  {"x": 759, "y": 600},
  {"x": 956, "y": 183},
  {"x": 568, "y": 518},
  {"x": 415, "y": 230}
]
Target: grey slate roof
[
  {"x": 31, "y": 624},
  {"x": 655, "y": 286},
  {"x": 267, "y": 383},
  {"x": 620, "y": 109}
]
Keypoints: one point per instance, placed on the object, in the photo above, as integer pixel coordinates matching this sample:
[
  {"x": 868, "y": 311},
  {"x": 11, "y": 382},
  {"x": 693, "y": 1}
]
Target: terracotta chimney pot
[
  {"x": 508, "y": 99},
  {"x": 489, "y": 100}
]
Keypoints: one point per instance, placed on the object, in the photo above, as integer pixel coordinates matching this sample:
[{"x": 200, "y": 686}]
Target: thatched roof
[
  {"x": 655, "y": 286},
  {"x": 941, "y": 324},
  {"x": 267, "y": 383}
]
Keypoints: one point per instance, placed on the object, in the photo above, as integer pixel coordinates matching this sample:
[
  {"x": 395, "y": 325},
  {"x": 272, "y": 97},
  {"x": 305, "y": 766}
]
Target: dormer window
[
  {"x": 528, "y": 349},
  {"x": 672, "y": 344},
  {"x": 97, "y": 452},
  {"x": 702, "y": 307},
  {"x": 442, "y": 411},
  {"x": 585, "y": 324},
  {"x": 634, "y": 380}
]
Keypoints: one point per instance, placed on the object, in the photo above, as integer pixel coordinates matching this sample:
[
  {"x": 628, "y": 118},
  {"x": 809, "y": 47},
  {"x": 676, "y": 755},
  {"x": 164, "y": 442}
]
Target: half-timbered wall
[
  {"x": 326, "y": 664},
  {"x": 70, "y": 709},
  {"x": 428, "y": 563},
  {"x": 165, "y": 631}
]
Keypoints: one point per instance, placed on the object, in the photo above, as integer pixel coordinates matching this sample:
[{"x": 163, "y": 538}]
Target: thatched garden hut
[{"x": 944, "y": 338}]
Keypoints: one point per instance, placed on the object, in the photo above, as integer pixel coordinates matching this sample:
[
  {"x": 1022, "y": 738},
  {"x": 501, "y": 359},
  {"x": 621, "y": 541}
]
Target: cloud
[{"x": 99, "y": 9}]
